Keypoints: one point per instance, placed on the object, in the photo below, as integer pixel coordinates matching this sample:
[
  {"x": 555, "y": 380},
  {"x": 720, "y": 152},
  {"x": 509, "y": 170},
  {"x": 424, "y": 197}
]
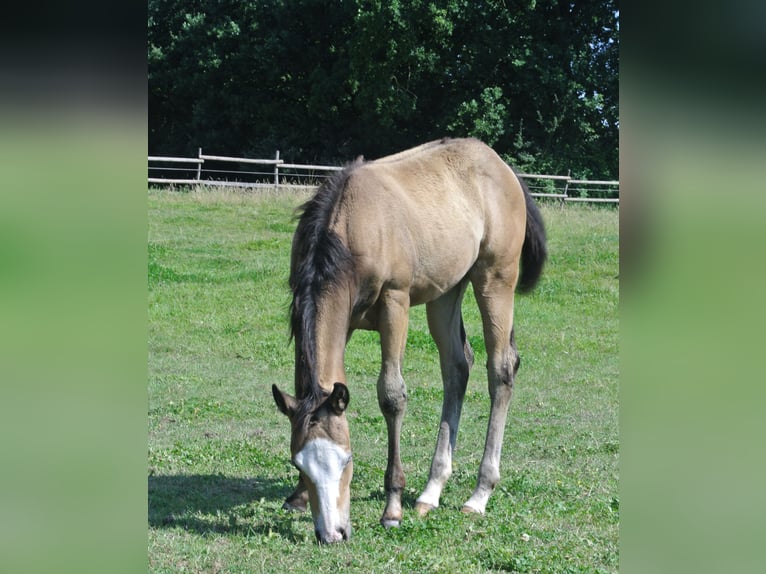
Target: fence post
[
  {"x": 276, "y": 171},
  {"x": 199, "y": 165}
]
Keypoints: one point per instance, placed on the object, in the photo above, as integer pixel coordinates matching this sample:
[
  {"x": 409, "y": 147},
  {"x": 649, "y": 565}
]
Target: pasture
[{"x": 218, "y": 452}]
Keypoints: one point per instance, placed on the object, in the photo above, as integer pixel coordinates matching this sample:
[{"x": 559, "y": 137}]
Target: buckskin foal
[{"x": 381, "y": 236}]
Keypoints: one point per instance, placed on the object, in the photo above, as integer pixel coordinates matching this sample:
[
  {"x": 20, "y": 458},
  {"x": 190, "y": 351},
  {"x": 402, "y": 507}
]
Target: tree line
[{"x": 328, "y": 81}]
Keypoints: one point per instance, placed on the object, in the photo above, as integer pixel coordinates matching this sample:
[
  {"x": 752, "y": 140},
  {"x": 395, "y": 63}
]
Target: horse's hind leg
[
  {"x": 495, "y": 299},
  {"x": 392, "y": 395},
  {"x": 456, "y": 358}
]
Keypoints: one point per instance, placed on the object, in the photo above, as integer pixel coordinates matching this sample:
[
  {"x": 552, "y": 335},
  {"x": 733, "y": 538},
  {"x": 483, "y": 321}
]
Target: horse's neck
[{"x": 332, "y": 330}]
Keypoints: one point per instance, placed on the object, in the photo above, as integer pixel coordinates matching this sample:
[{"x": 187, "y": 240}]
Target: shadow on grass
[{"x": 221, "y": 504}]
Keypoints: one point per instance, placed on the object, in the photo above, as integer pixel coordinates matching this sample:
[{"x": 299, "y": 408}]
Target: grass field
[{"x": 218, "y": 448}]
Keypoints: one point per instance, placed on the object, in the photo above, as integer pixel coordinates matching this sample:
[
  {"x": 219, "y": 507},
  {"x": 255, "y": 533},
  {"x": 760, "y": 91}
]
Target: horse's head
[{"x": 321, "y": 450}]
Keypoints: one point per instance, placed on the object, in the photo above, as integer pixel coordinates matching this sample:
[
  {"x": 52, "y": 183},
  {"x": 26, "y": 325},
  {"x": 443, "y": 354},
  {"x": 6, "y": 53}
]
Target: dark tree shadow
[{"x": 222, "y": 504}]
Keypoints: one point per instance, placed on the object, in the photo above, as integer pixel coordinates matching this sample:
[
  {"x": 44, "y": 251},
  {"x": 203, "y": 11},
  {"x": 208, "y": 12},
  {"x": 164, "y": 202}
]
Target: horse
[{"x": 376, "y": 239}]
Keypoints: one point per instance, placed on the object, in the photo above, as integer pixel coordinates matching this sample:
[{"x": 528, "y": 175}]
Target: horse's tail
[{"x": 534, "y": 251}]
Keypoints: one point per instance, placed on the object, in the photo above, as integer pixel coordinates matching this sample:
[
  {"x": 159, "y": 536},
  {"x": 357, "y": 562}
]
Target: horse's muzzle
[{"x": 341, "y": 534}]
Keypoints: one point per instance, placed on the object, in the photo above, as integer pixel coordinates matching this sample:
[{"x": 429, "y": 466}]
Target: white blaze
[{"x": 323, "y": 461}]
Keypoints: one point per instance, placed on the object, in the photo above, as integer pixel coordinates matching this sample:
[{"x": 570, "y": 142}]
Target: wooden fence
[{"x": 275, "y": 172}]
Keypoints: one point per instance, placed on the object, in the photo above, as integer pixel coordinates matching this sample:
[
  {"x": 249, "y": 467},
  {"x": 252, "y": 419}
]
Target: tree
[{"x": 536, "y": 79}]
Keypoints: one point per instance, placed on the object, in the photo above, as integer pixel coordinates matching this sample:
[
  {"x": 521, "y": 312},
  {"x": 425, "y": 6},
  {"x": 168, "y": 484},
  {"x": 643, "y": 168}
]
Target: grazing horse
[{"x": 381, "y": 236}]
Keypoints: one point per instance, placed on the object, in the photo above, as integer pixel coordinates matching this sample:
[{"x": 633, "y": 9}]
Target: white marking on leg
[
  {"x": 431, "y": 494},
  {"x": 478, "y": 501}
]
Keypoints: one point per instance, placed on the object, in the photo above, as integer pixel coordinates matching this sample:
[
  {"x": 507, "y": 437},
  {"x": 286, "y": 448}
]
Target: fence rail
[{"x": 560, "y": 187}]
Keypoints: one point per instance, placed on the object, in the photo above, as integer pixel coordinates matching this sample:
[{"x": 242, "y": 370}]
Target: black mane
[{"x": 320, "y": 260}]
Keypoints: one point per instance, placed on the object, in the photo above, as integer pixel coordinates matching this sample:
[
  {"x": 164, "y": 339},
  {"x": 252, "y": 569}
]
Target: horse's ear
[
  {"x": 285, "y": 403},
  {"x": 339, "y": 398}
]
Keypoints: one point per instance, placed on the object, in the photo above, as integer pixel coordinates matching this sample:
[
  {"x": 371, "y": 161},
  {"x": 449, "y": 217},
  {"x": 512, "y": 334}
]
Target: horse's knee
[
  {"x": 502, "y": 372},
  {"x": 392, "y": 397},
  {"x": 392, "y": 404}
]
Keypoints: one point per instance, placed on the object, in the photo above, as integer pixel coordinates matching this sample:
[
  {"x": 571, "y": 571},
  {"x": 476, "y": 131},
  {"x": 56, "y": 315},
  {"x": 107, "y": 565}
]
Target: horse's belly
[
  {"x": 438, "y": 274},
  {"x": 420, "y": 294}
]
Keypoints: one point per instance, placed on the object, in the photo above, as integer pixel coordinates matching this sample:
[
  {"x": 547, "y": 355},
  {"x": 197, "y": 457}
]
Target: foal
[{"x": 381, "y": 236}]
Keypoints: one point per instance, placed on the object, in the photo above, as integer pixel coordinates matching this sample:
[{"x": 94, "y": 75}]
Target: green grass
[{"x": 218, "y": 448}]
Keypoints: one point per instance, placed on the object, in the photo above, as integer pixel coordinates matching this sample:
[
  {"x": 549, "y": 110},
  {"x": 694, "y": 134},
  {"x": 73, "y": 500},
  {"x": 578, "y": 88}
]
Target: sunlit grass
[{"x": 218, "y": 448}]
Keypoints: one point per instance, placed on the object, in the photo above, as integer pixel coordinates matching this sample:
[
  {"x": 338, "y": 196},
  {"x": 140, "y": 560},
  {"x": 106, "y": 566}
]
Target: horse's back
[
  {"x": 441, "y": 188},
  {"x": 420, "y": 219}
]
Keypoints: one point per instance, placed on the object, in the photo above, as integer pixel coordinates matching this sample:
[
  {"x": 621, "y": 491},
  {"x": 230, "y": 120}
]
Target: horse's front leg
[
  {"x": 299, "y": 499},
  {"x": 392, "y": 396}
]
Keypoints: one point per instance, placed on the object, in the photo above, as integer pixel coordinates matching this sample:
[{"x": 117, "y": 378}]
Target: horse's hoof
[
  {"x": 470, "y": 510},
  {"x": 423, "y": 508},
  {"x": 390, "y": 523},
  {"x": 291, "y": 507}
]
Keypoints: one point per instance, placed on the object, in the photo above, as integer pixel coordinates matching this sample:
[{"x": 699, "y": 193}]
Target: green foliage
[
  {"x": 537, "y": 80},
  {"x": 485, "y": 119},
  {"x": 218, "y": 449}
]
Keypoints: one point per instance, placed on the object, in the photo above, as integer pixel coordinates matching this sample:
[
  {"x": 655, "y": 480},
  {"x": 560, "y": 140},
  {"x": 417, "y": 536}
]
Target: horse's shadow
[{"x": 222, "y": 504}]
